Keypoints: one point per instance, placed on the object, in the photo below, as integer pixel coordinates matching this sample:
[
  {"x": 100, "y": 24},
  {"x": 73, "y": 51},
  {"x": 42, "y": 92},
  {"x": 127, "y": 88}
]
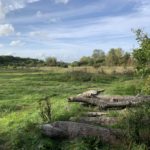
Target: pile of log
[{"x": 86, "y": 125}]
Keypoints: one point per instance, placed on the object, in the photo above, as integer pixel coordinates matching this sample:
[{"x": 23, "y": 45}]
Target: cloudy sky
[{"x": 69, "y": 29}]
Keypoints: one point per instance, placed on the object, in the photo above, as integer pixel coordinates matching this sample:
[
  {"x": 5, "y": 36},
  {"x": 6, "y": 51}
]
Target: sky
[{"x": 70, "y": 29}]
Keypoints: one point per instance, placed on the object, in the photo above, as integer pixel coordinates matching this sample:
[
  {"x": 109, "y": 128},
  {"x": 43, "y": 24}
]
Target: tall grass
[{"x": 20, "y": 92}]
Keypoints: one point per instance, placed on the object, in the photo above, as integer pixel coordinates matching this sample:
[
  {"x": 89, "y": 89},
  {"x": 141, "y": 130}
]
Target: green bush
[
  {"x": 137, "y": 125},
  {"x": 45, "y": 109},
  {"x": 146, "y": 88}
]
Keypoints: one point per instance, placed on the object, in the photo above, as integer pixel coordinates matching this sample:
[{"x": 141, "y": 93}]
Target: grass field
[{"x": 21, "y": 90}]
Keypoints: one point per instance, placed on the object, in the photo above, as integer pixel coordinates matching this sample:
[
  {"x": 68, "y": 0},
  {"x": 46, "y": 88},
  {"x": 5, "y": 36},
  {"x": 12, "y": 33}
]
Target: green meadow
[{"x": 21, "y": 90}]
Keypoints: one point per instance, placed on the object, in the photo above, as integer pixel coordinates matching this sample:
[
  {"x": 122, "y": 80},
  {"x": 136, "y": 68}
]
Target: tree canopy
[{"x": 142, "y": 54}]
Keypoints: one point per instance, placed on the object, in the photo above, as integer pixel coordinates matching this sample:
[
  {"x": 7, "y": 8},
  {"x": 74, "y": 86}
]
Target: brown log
[
  {"x": 105, "y": 102},
  {"x": 67, "y": 129},
  {"x": 103, "y": 120}
]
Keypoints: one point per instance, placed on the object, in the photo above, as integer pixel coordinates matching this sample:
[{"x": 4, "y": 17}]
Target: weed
[{"x": 45, "y": 109}]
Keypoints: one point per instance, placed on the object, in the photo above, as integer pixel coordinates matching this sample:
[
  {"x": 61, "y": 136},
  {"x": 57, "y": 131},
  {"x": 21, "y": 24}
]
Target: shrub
[
  {"x": 137, "y": 125},
  {"x": 146, "y": 88},
  {"x": 45, "y": 109}
]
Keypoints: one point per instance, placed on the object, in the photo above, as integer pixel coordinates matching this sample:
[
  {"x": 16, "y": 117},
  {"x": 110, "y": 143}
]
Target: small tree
[
  {"x": 127, "y": 59},
  {"x": 98, "y": 57},
  {"x": 85, "y": 60},
  {"x": 51, "y": 61},
  {"x": 142, "y": 54},
  {"x": 114, "y": 56}
]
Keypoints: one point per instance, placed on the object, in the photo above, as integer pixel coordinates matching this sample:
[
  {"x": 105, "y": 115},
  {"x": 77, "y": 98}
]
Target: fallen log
[
  {"x": 103, "y": 120},
  {"x": 105, "y": 102},
  {"x": 67, "y": 129}
]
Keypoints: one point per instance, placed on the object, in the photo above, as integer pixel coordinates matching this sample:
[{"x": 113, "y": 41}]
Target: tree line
[
  {"x": 115, "y": 57},
  {"x": 17, "y": 61},
  {"x": 6, "y": 61},
  {"x": 140, "y": 57}
]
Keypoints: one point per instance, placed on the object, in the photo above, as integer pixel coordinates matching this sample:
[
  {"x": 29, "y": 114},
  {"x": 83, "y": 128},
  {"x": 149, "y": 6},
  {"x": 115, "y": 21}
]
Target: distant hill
[{"x": 18, "y": 61}]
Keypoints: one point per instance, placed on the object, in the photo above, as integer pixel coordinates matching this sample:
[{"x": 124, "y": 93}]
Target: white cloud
[
  {"x": 6, "y": 29},
  {"x": 10, "y": 5},
  {"x": 16, "y": 43},
  {"x": 62, "y": 1},
  {"x": 107, "y": 27},
  {"x": 1, "y": 45}
]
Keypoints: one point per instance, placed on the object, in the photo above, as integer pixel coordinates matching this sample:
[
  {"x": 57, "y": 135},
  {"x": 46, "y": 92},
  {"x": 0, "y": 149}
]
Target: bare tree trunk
[
  {"x": 67, "y": 129},
  {"x": 105, "y": 102}
]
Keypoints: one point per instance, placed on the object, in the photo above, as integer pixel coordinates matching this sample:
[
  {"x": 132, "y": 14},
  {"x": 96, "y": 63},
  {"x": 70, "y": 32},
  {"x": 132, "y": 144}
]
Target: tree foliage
[
  {"x": 142, "y": 54},
  {"x": 51, "y": 61},
  {"x": 114, "y": 57},
  {"x": 98, "y": 57},
  {"x": 11, "y": 61},
  {"x": 17, "y": 61}
]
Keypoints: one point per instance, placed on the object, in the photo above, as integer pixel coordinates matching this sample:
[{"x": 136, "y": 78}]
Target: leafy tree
[
  {"x": 98, "y": 57},
  {"x": 127, "y": 59},
  {"x": 85, "y": 60},
  {"x": 114, "y": 57},
  {"x": 142, "y": 54},
  {"x": 51, "y": 61},
  {"x": 75, "y": 64},
  {"x": 98, "y": 53},
  {"x": 62, "y": 64}
]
